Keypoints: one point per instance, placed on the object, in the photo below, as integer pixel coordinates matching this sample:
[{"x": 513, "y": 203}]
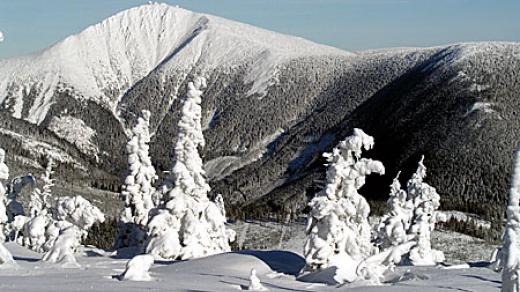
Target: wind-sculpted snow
[{"x": 454, "y": 103}]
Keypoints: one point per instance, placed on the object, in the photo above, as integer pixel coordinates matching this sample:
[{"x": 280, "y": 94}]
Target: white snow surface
[
  {"x": 99, "y": 271},
  {"x": 103, "y": 61}
]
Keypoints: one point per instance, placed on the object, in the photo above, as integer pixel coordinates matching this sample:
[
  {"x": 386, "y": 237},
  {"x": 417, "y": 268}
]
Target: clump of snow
[
  {"x": 485, "y": 107},
  {"x": 195, "y": 225},
  {"x": 137, "y": 268},
  {"x": 76, "y": 132},
  {"x": 254, "y": 282},
  {"x": 138, "y": 188},
  {"x": 338, "y": 229},
  {"x": 1, "y": 36}
]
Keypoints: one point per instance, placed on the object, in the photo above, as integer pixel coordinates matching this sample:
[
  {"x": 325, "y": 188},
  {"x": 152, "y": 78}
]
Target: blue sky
[{"x": 31, "y": 25}]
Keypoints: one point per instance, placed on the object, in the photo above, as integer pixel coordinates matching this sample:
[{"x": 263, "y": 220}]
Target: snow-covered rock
[{"x": 137, "y": 268}]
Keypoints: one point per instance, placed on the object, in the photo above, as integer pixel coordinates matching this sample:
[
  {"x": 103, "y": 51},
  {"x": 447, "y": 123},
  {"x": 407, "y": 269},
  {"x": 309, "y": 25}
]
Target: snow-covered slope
[
  {"x": 273, "y": 104},
  {"x": 103, "y": 61}
]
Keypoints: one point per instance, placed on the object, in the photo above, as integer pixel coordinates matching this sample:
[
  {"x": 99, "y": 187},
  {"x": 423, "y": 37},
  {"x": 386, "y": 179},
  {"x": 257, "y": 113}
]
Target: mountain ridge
[{"x": 273, "y": 105}]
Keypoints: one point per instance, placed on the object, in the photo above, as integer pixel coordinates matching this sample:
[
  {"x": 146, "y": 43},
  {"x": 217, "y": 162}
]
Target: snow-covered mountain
[
  {"x": 274, "y": 103},
  {"x": 102, "y": 62}
]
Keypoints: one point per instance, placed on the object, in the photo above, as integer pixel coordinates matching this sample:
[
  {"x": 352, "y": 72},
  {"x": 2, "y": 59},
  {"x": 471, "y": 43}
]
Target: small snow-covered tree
[
  {"x": 395, "y": 223},
  {"x": 510, "y": 252},
  {"x": 196, "y": 224},
  {"x": 4, "y": 175},
  {"x": 338, "y": 230},
  {"x": 254, "y": 282},
  {"x": 79, "y": 212},
  {"x": 411, "y": 216},
  {"x": 5, "y": 255},
  {"x": 137, "y": 268},
  {"x": 138, "y": 188},
  {"x": 426, "y": 202},
  {"x": 64, "y": 247},
  {"x": 42, "y": 198}
]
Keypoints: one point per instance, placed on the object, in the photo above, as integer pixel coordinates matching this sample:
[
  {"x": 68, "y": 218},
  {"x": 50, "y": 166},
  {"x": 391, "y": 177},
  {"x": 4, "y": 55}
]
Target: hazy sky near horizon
[{"x": 31, "y": 25}]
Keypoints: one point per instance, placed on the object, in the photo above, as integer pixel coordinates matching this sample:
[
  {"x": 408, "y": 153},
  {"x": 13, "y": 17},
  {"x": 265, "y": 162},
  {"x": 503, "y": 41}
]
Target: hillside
[{"x": 274, "y": 103}]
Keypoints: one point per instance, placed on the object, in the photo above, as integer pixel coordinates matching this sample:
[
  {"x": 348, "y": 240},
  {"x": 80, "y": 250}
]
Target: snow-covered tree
[
  {"x": 196, "y": 224},
  {"x": 254, "y": 282},
  {"x": 138, "y": 188},
  {"x": 338, "y": 230},
  {"x": 411, "y": 216},
  {"x": 64, "y": 247},
  {"x": 426, "y": 202},
  {"x": 510, "y": 252},
  {"x": 4, "y": 175},
  {"x": 79, "y": 212},
  {"x": 42, "y": 198},
  {"x": 5, "y": 255},
  {"x": 395, "y": 223}
]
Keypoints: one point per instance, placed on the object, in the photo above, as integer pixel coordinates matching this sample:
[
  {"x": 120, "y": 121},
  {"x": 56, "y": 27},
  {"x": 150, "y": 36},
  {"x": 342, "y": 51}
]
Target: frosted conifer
[
  {"x": 41, "y": 199},
  {"x": 426, "y": 202},
  {"x": 138, "y": 188},
  {"x": 5, "y": 255},
  {"x": 338, "y": 230},
  {"x": 192, "y": 226},
  {"x": 393, "y": 227},
  {"x": 510, "y": 252}
]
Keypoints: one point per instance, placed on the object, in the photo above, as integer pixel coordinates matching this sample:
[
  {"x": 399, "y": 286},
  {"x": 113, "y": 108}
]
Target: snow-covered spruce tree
[
  {"x": 138, "y": 187},
  {"x": 34, "y": 233},
  {"x": 395, "y": 223},
  {"x": 5, "y": 255},
  {"x": 195, "y": 224},
  {"x": 338, "y": 232},
  {"x": 426, "y": 202},
  {"x": 41, "y": 199},
  {"x": 510, "y": 252}
]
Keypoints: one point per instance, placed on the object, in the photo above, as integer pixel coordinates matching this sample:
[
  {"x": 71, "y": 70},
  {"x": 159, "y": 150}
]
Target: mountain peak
[{"x": 103, "y": 61}]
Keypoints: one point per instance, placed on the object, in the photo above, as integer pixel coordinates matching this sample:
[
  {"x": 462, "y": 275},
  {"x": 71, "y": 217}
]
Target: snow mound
[
  {"x": 1, "y": 36},
  {"x": 227, "y": 263},
  {"x": 137, "y": 268}
]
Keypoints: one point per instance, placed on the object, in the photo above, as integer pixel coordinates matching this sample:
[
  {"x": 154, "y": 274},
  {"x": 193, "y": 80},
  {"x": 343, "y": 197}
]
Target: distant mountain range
[{"x": 273, "y": 105}]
